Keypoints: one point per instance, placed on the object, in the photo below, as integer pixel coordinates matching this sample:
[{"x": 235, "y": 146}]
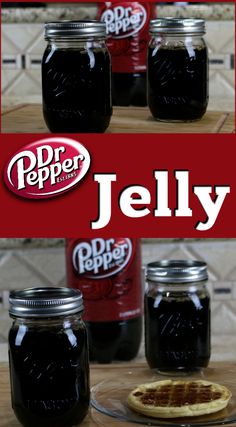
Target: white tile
[
  {"x": 234, "y": 290},
  {"x": 7, "y": 44},
  {"x": 220, "y": 36},
  {"x": 229, "y": 76},
  {"x": 4, "y": 357},
  {"x": 223, "y": 349},
  {"x": 11, "y": 61},
  {"x": 14, "y": 274},
  {"x": 49, "y": 264},
  {"x": 220, "y": 86},
  {"x": 20, "y": 36},
  {"x": 223, "y": 318},
  {"x": 221, "y": 104},
  {"x": 220, "y": 61},
  {"x": 222, "y": 291},
  {"x": 27, "y": 83},
  {"x": 151, "y": 253},
  {"x": 219, "y": 255},
  {"x": 33, "y": 61},
  {"x": 8, "y": 78},
  {"x": 37, "y": 45}
]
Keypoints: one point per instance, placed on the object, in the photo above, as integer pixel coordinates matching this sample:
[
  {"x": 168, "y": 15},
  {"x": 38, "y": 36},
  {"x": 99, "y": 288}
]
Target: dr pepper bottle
[
  {"x": 108, "y": 273},
  {"x": 127, "y": 27}
]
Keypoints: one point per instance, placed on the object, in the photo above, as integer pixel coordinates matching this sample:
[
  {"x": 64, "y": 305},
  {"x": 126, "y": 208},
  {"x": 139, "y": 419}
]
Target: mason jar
[
  {"x": 48, "y": 356},
  {"x": 177, "y": 70},
  {"x": 177, "y": 316},
  {"x": 76, "y": 77}
]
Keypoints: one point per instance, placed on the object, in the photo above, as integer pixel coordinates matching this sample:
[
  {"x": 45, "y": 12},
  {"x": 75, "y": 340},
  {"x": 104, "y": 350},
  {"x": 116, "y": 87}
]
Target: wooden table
[
  {"x": 27, "y": 118},
  {"x": 98, "y": 374}
]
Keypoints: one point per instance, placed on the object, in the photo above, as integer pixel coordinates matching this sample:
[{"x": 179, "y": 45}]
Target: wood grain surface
[
  {"x": 98, "y": 373},
  {"x": 28, "y": 118}
]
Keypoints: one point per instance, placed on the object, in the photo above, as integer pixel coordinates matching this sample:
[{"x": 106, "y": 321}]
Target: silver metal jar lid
[
  {"x": 74, "y": 29},
  {"x": 45, "y": 302},
  {"x": 177, "y": 26},
  {"x": 177, "y": 271}
]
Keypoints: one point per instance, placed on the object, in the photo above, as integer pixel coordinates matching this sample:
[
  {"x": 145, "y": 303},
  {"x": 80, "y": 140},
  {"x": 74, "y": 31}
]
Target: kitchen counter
[
  {"x": 28, "y": 118},
  {"x": 100, "y": 373}
]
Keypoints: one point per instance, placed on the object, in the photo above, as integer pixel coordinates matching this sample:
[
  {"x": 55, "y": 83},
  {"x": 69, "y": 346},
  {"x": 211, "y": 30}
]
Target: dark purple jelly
[
  {"x": 76, "y": 89},
  {"x": 177, "y": 331},
  {"x": 49, "y": 374},
  {"x": 177, "y": 83}
]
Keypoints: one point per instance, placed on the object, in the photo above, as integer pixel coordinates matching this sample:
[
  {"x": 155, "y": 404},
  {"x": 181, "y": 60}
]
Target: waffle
[{"x": 173, "y": 399}]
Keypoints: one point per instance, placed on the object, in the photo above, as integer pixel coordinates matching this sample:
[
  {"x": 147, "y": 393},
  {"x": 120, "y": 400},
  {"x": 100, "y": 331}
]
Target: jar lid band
[
  {"x": 74, "y": 29},
  {"x": 177, "y": 271},
  {"x": 177, "y": 26},
  {"x": 45, "y": 302}
]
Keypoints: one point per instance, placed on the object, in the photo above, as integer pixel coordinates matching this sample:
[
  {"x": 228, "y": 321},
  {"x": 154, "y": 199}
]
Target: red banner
[{"x": 154, "y": 186}]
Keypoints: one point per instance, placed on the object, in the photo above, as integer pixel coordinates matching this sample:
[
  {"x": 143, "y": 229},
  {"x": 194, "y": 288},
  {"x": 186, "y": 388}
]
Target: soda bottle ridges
[
  {"x": 128, "y": 35},
  {"x": 108, "y": 273}
]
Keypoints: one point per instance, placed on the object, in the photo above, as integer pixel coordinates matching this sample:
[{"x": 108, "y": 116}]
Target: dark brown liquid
[
  {"x": 177, "y": 83},
  {"x": 76, "y": 90},
  {"x": 177, "y": 332},
  {"x": 49, "y": 376},
  {"x": 110, "y": 341},
  {"x": 129, "y": 89}
]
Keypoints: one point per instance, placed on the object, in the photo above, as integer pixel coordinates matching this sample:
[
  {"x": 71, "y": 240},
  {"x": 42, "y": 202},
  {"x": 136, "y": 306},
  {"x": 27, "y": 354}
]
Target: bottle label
[
  {"x": 127, "y": 30},
  {"x": 108, "y": 273},
  {"x": 124, "y": 20},
  {"x": 101, "y": 258}
]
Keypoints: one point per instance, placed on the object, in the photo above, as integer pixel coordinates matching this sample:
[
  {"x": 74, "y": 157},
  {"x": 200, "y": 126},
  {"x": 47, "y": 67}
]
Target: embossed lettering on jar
[
  {"x": 76, "y": 77},
  {"x": 177, "y": 316},
  {"x": 48, "y": 357},
  {"x": 177, "y": 69}
]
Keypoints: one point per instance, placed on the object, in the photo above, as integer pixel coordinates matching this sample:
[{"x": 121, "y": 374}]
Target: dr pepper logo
[
  {"x": 100, "y": 258},
  {"x": 46, "y": 168},
  {"x": 124, "y": 19}
]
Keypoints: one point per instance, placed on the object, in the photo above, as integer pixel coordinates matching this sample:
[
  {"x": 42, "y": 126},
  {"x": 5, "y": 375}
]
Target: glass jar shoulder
[
  {"x": 177, "y": 42},
  {"x": 172, "y": 292},
  {"x": 66, "y": 333},
  {"x": 77, "y": 50}
]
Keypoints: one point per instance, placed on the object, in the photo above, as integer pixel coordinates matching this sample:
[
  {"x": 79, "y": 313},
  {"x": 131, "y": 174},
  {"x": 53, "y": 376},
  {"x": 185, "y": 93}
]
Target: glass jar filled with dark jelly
[
  {"x": 177, "y": 70},
  {"x": 48, "y": 357},
  {"x": 76, "y": 77},
  {"x": 177, "y": 316}
]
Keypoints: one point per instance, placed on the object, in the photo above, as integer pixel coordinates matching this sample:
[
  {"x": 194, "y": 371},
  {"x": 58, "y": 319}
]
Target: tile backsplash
[{"x": 23, "y": 46}]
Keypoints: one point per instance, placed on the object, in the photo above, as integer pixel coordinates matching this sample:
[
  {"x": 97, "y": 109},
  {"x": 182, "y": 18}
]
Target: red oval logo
[
  {"x": 101, "y": 258},
  {"x": 46, "y": 168},
  {"x": 124, "y": 19}
]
